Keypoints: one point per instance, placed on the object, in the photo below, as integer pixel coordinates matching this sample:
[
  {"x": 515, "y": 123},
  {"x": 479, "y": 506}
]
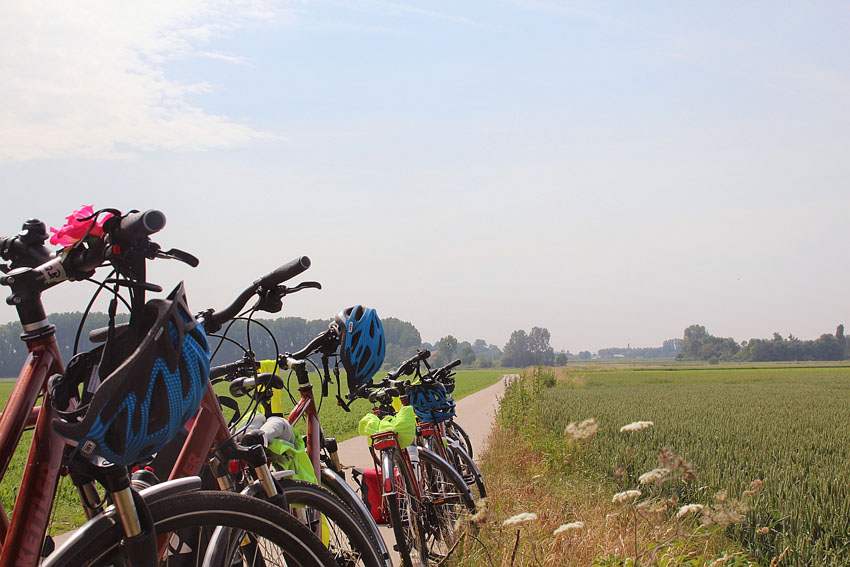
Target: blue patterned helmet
[
  {"x": 140, "y": 388},
  {"x": 431, "y": 403},
  {"x": 361, "y": 344}
]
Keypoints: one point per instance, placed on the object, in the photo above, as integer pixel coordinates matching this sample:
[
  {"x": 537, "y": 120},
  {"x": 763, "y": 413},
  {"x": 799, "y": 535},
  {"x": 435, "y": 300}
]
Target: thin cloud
[
  {"x": 398, "y": 8},
  {"x": 88, "y": 78}
]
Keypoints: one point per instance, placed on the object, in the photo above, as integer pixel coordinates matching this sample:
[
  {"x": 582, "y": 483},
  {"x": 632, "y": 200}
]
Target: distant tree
[
  {"x": 446, "y": 350},
  {"x": 467, "y": 355},
  {"x": 538, "y": 345},
  {"x": 401, "y": 333},
  {"x": 481, "y": 348},
  {"x": 692, "y": 341},
  {"x": 484, "y": 362},
  {"x": 516, "y": 351},
  {"x": 561, "y": 359},
  {"x": 842, "y": 340},
  {"x": 585, "y": 355},
  {"x": 827, "y": 347}
]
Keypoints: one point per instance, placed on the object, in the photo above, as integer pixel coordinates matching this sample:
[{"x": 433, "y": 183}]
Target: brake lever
[
  {"x": 176, "y": 254},
  {"x": 283, "y": 290},
  {"x": 134, "y": 284}
]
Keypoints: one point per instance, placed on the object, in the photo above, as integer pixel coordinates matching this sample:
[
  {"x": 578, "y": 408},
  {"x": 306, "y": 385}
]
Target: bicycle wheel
[
  {"x": 323, "y": 513},
  {"x": 406, "y": 511},
  {"x": 257, "y": 534},
  {"x": 455, "y": 431},
  {"x": 467, "y": 468},
  {"x": 447, "y": 499}
]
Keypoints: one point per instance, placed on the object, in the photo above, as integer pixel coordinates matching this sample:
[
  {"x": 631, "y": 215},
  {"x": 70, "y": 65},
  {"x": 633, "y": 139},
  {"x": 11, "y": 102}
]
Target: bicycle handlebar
[
  {"x": 283, "y": 273},
  {"x": 241, "y": 386},
  {"x": 323, "y": 340},
  {"x": 213, "y": 319},
  {"x": 136, "y": 225},
  {"x": 408, "y": 366}
]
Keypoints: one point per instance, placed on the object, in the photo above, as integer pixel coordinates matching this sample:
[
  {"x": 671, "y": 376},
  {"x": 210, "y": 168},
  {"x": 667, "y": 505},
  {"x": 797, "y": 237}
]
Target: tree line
[
  {"x": 289, "y": 333},
  {"x": 697, "y": 344}
]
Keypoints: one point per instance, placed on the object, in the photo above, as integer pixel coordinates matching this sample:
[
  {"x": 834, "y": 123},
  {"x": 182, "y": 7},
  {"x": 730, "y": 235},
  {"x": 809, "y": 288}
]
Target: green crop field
[
  {"x": 335, "y": 421},
  {"x": 787, "y": 427}
]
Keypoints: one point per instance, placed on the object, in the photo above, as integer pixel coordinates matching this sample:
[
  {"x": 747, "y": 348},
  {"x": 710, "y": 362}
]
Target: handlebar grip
[
  {"x": 215, "y": 371},
  {"x": 451, "y": 365},
  {"x": 324, "y": 338},
  {"x": 99, "y": 335},
  {"x": 241, "y": 386},
  {"x": 139, "y": 225},
  {"x": 285, "y": 272}
]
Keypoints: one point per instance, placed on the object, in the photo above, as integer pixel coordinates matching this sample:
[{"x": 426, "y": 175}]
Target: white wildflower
[
  {"x": 572, "y": 526},
  {"x": 626, "y": 496},
  {"x": 583, "y": 430},
  {"x": 688, "y": 509},
  {"x": 520, "y": 518},
  {"x": 655, "y": 475},
  {"x": 636, "y": 426}
]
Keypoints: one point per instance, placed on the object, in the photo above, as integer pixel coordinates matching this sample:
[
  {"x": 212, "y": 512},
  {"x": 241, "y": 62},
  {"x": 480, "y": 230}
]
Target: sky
[{"x": 612, "y": 171}]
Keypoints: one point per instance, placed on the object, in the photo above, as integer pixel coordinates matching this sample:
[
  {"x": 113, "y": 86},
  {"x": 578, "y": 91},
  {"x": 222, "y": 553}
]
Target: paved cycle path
[{"x": 474, "y": 412}]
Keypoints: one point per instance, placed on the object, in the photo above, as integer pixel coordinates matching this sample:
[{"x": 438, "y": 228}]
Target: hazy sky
[{"x": 613, "y": 171}]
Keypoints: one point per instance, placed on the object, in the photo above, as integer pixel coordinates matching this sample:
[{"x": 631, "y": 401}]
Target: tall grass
[{"x": 784, "y": 427}]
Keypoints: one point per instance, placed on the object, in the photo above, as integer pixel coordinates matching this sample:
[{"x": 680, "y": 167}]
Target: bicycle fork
[{"x": 139, "y": 545}]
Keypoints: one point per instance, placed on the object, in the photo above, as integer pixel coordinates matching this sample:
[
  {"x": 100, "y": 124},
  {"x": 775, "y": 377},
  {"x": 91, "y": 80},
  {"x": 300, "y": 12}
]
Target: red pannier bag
[{"x": 370, "y": 492}]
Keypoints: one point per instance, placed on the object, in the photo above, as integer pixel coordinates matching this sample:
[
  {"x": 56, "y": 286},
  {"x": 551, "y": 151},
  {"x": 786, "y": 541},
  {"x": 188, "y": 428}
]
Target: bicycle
[
  {"x": 445, "y": 376},
  {"x": 435, "y": 411},
  {"x": 137, "y": 525},
  {"x": 210, "y": 444},
  {"x": 325, "y": 475},
  {"x": 422, "y": 492}
]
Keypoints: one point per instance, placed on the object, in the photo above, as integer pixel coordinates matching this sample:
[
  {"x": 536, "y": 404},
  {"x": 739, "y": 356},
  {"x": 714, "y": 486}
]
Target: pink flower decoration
[{"x": 75, "y": 229}]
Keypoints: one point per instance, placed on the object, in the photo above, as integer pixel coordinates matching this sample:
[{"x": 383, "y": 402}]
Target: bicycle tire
[
  {"x": 349, "y": 540},
  {"x": 337, "y": 485},
  {"x": 406, "y": 511},
  {"x": 207, "y": 510},
  {"x": 463, "y": 463},
  {"x": 447, "y": 499},
  {"x": 455, "y": 431}
]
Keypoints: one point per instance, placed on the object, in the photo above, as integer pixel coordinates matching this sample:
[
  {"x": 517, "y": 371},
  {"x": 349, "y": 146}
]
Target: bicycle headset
[
  {"x": 431, "y": 403},
  {"x": 362, "y": 344},
  {"x": 140, "y": 388}
]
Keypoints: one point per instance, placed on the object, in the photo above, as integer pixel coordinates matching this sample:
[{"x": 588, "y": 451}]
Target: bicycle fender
[
  {"x": 102, "y": 523},
  {"x": 333, "y": 482},
  {"x": 425, "y": 454}
]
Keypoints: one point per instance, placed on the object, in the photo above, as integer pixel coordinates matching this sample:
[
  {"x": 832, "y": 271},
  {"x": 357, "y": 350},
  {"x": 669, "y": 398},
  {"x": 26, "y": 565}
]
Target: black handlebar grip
[
  {"x": 219, "y": 371},
  {"x": 99, "y": 335},
  {"x": 240, "y": 387},
  {"x": 139, "y": 225},
  {"x": 268, "y": 380},
  {"x": 285, "y": 272},
  {"x": 453, "y": 364}
]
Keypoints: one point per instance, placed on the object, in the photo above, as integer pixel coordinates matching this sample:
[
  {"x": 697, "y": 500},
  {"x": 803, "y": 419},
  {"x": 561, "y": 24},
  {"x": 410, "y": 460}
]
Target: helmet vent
[
  {"x": 158, "y": 399},
  {"x": 116, "y": 434}
]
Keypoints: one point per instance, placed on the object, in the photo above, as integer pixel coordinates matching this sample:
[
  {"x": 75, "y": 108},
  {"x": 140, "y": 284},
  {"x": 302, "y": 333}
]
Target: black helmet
[{"x": 140, "y": 388}]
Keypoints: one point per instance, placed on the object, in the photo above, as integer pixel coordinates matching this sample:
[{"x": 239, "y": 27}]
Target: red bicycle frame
[
  {"x": 387, "y": 441},
  {"x": 306, "y": 407},
  {"x": 433, "y": 432},
  {"x": 22, "y": 539}
]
